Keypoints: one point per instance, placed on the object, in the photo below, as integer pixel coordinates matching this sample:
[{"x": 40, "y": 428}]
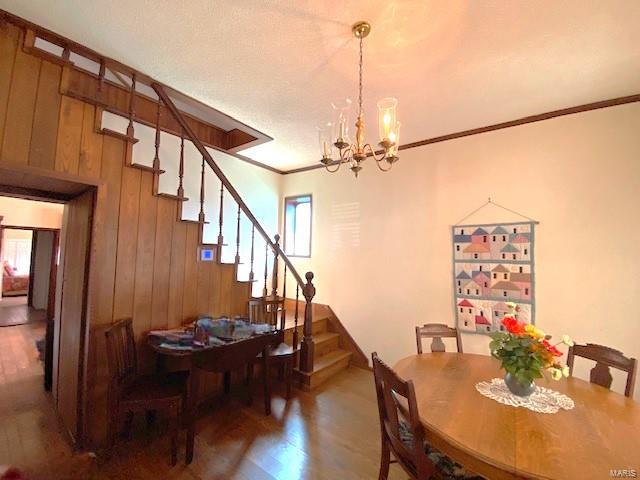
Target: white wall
[{"x": 381, "y": 247}]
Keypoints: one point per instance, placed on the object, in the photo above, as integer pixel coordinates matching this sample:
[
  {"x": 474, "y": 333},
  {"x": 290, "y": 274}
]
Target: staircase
[{"x": 164, "y": 143}]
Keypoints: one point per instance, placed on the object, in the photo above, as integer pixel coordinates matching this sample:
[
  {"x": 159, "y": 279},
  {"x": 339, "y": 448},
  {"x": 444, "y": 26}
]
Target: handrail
[
  {"x": 308, "y": 289},
  {"x": 225, "y": 181}
]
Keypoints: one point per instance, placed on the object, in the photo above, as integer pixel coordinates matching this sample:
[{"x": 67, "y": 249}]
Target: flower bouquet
[{"x": 526, "y": 354}]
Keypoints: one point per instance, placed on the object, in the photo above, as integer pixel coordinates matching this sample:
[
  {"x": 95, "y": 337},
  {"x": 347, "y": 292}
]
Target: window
[
  {"x": 526, "y": 291},
  {"x": 462, "y": 232},
  {"x": 515, "y": 230},
  {"x": 504, "y": 293},
  {"x": 297, "y": 219},
  {"x": 459, "y": 290},
  {"x": 459, "y": 282},
  {"x": 526, "y": 251},
  {"x": 469, "y": 310},
  {"x": 495, "y": 275},
  {"x": 514, "y": 256},
  {"x": 475, "y": 255},
  {"x": 504, "y": 256},
  {"x": 477, "y": 292},
  {"x": 457, "y": 248},
  {"x": 461, "y": 310},
  {"x": 505, "y": 276},
  {"x": 468, "y": 291},
  {"x": 520, "y": 269},
  {"x": 504, "y": 238},
  {"x": 480, "y": 267},
  {"x": 494, "y": 238},
  {"x": 486, "y": 284},
  {"x": 484, "y": 239}
]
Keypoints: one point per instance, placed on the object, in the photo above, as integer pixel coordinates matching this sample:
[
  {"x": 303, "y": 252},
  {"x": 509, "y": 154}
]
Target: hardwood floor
[
  {"x": 330, "y": 433},
  {"x": 15, "y": 311}
]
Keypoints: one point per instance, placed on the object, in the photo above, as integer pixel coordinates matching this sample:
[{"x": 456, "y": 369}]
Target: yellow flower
[
  {"x": 566, "y": 339},
  {"x": 565, "y": 371},
  {"x": 556, "y": 373},
  {"x": 533, "y": 331}
]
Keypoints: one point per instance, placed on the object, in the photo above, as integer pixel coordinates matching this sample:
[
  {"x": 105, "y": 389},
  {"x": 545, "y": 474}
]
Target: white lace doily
[{"x": 542, "y": 400}]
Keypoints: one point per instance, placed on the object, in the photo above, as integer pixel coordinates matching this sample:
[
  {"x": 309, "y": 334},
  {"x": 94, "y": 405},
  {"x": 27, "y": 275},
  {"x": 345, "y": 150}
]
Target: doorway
[{"x": 47, "y": 344}]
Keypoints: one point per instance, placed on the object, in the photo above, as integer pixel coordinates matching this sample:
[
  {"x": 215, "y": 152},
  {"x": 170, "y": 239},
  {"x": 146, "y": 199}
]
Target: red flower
[
  {"x": 513, "y": 326},
  {"x": 551, "y": 349}
]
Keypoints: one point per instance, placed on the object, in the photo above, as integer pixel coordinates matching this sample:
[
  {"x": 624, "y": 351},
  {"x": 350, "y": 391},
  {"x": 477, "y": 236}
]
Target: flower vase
[{"x": 516, "y": 388}]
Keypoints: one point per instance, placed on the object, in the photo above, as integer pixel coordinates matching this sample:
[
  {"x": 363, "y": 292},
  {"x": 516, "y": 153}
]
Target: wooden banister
[{"x": 307, "y": 287}]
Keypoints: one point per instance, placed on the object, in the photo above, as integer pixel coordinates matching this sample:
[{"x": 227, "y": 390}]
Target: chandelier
[{"x": 336, "y": 133}]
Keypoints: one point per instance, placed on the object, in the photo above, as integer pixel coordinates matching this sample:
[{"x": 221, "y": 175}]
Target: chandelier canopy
[{"x": 335, "y": 134}]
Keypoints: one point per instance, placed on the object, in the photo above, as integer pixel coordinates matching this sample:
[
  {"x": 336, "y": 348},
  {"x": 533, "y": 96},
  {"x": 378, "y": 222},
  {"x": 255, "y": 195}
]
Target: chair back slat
[
  {"x": 121, "y": 352},
  {"x": 605, "y": 357},
  {"x": 396, "y": 405},
  {"x": 436, "y": 332},
  {"x": 266, "y": 310}
]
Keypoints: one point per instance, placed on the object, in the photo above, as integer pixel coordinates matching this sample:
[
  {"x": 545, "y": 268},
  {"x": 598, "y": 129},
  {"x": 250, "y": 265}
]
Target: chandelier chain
[{"x": 360, "y": 81}]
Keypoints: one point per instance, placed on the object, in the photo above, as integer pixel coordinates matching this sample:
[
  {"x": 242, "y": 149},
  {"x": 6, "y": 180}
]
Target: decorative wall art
[{"x": 493, "y": 264}]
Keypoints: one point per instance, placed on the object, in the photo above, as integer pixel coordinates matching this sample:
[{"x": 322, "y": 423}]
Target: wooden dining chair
[
  {"x": 437, "y": 331},
  {"x": 130, "y": 392},
  {"x": 605, "y": 357},
  {"x": 403, "y": 434},
  {"x": 282, "y": 355}
]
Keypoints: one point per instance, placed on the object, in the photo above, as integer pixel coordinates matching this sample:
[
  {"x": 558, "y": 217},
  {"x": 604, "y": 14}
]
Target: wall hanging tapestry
[{"x": 493, "y": 264}]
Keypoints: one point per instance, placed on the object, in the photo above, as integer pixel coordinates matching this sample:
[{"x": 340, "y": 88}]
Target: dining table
[
  {"x": 597, "y": 439},
  {"x": 220, "y": 350}
]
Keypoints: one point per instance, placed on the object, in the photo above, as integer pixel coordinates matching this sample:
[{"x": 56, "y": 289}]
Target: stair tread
[
  {"x": 174, "y": 197},
  {"x": 330, "y": 359},
  {"x": 146, "y": 168},
  {"x": 122, "y": 136},
  {"x": 324, "y": 337}
]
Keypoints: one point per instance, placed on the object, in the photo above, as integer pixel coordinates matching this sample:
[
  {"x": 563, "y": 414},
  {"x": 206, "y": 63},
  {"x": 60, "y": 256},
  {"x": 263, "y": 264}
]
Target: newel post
[
  {"x": 307, "y": 347},
  {"x": 274, "y": 272}
]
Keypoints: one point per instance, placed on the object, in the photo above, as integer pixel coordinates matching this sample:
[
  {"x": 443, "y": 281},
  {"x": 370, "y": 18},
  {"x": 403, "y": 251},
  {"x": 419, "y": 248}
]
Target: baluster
[
  {"x": 295, "y": 319},
  {"x": 156, "y": 157},
  {"x": 307, "y": 347},
  {"x": 181, "y": 167},
  {"x": 66, "y": 54},
  {"x": 266, "y": 267},
  {"x": 201, "y": 214},
  {"x": 132, "y": 96},
  {"x": 220, "y": 218},
  {"x": 274, "y": 272},
  {"x": 101, "y": 73},
  {"x": 238, "y": 238},
  {"x": 283, "y": 318},
  {"x": 251, "y": 274}
]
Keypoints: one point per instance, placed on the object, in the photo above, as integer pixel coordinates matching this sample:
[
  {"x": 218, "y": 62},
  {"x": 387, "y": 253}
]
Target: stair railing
[{"x": 306, "y": 286}]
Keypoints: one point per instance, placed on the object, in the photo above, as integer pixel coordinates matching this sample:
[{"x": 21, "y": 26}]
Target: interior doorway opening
[{"x": 45, "y": 244}]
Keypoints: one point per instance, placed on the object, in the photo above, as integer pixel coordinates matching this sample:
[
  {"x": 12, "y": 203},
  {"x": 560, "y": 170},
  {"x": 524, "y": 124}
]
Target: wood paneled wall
[{"x": 143, "y": 260}]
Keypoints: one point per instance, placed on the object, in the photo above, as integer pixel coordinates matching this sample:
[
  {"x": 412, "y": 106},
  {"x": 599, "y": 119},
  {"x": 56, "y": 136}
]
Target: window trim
[{"x": 284, "y": 220}]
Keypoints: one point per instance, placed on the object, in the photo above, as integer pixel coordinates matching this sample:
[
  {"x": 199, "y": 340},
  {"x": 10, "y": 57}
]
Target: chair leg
[
  {"x": 265, "y": 375},
  {"x": 385, "y": 458},
  {"x": 227, "y": 382},
  {"x": 191, "y": 414}
]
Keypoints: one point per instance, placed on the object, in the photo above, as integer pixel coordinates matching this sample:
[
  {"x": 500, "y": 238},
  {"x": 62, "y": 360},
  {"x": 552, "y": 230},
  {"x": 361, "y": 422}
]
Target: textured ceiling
[{"x": 277, "y": 65}]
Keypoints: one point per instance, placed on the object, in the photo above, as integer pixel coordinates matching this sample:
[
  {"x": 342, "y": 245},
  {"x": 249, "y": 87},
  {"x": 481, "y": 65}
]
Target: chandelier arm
[
  {"x": 326, "y": 167},
  {"x": 372, "y": 153},
  {"x": 346, "y": 154}
]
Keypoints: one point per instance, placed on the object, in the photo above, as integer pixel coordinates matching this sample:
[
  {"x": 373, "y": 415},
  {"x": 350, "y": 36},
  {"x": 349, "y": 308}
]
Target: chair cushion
[{"x": 449, "y": 469}]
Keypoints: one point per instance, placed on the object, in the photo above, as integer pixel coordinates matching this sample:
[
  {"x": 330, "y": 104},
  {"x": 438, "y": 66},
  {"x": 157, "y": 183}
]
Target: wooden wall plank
[
  {"x": 189, "y": 303},
  {"x": 143, "y": 285},
  {"x": 8, "y": 46},
  {"x": 176, "y": 281},
  {"x": 46, "y": 115},
  {"x": 127, "y": 245},
  {"x": 203, "y": 286},
  {"x": 227, "y": 279},
  {"x": 69, "y": 135},
  {"x": 105, "y": 243},
  {"x": 20, "y": 108},
  {"x": 214, "y": 291},
  {"x": 166, "y": 219},
  {"x": 90, "y": 145}
]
